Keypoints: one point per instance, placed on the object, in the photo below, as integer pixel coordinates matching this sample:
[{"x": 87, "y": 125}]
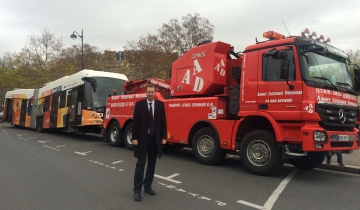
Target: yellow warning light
[{"x": 273, "y": 35}]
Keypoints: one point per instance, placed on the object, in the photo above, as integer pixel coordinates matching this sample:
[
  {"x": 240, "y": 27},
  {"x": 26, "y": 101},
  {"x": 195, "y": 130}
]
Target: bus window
[
  {"x": 62, "y": 99},
  {"x": 47, "y": 103}
]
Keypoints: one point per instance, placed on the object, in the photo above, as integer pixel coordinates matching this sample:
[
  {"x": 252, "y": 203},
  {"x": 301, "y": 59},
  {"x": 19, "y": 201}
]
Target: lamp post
[{"x": 73, "y": 36}]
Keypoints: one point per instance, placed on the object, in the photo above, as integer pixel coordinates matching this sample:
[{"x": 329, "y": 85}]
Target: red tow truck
[{"x": 286, "y": 99}]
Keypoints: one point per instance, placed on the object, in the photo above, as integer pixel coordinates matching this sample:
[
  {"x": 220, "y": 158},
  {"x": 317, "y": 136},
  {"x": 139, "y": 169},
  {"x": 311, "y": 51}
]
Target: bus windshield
[
  {"x": 328, "y": 68},
  {"x": 105, "y": 87}
]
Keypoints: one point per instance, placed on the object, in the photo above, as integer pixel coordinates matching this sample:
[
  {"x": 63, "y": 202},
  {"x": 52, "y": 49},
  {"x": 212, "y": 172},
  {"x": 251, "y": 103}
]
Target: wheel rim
[
  {"x": 114, "y": 134},
  {"x": 206, "y": 146},
  {"x": 128, "y": 137},
  {"x": 258, "y": 153}
]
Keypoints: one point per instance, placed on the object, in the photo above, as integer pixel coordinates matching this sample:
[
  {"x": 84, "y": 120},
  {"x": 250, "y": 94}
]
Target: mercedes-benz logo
[{"x": 342, "y": 116}]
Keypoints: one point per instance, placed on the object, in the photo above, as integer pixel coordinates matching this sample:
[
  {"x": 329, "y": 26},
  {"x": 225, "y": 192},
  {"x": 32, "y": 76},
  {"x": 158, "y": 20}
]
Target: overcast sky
[{"x": 108, "y": 24}]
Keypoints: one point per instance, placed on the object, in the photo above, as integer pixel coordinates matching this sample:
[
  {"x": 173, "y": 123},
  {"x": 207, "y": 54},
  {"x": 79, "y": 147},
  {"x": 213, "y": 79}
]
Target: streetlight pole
[{"x": 73, "y": 36}]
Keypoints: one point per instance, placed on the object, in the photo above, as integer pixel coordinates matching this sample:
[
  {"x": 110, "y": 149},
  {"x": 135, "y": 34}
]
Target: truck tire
[
  {"x": 260, "y": 154},
  {"x": 128, "y": 137},
  {"x": 106, "y": 137},
  {"x": 206, "y": 147},
  {"x": 39, "y": 125},
  {"x": 308, "y": 162},
  {"x": 115, "y": 135}
]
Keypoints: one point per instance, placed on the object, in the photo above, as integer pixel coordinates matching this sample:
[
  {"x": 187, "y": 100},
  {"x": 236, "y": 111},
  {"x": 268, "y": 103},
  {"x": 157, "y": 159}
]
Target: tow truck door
[{"x": 281, "y": 100}]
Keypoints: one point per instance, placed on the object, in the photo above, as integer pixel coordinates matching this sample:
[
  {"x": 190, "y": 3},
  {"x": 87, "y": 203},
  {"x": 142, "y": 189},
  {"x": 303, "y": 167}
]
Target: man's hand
[
  {"x": 135, "y": 142},
  {"x": 163, "y": 141}
]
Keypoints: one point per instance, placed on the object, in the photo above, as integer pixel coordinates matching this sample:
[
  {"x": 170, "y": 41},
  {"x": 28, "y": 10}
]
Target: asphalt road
[{"x": 59, "y": 170}]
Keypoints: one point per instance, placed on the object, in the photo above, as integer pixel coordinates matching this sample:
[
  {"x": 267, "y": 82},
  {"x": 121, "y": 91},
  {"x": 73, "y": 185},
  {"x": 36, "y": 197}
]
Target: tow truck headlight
[{"x": 319, "y": 136}]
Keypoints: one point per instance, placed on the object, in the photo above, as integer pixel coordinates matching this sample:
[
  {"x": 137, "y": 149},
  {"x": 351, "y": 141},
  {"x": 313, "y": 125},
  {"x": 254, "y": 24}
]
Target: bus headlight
[{"x": 319, "y": 136}]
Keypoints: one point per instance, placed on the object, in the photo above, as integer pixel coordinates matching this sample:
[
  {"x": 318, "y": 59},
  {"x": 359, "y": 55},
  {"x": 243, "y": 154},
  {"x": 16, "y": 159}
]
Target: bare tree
[
  {"x": 152, "y": 55},
  {"x": 41, "y": 51},
  {"x": 180, "y": 36}
]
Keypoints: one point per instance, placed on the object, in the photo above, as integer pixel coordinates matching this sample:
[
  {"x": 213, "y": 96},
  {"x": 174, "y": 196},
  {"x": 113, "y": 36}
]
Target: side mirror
[
  {"x": 275, "y": 54},
  {"x": 284, "y": 71},
  {"x": 357, "y": 79},
  {"x": 92, "y": 82}
]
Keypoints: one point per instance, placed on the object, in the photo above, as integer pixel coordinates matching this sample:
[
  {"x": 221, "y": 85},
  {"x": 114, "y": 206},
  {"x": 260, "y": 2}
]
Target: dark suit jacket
[{"x": 141, "y": 122}]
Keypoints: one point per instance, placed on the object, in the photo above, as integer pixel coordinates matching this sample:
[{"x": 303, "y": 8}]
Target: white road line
[
  {"x": 83, "y": 153},
  {"x": 117, "y": 162},
  {"x": 172, "y": 176},
  {"x": 272, "y": 199},
  {"x": 249, "y": 204},
  {"x": 44, "y": 141},
  {"x": 169, "y": 178},
  {"x": 30, "y": 138},
  {"x": 20, "y": 134},
  {"x": 61, "y": 146}
]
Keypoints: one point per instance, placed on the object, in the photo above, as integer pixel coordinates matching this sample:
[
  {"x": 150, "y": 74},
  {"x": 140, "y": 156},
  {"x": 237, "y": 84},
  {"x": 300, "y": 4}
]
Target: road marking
[
  {"x": 272, "y": 199},
  {"x": 195, "y": 195},
  {"x": 172, "y": 176},
  {"x": 117, "y": 162},
  {"x": 53, "y": 148},
  {"x": 61, "y": 146},
  {"x": 44, "y": 141},
  {"x": 274, "y": 196},
  {"x": 25, "y": 139},
  {"x": 249, "y": 204},
  {"x": 83, "y": 153},
  {"x": 169, "y": 178},
  {"x": 20, "y": 134}
]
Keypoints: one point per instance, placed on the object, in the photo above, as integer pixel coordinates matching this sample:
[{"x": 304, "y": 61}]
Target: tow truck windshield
[{"x": 321, "y": 67}]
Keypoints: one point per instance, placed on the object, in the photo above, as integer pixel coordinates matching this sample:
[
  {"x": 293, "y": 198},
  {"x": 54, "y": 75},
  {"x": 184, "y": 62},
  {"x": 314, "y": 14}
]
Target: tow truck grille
[{"x": 336, "y": 117}]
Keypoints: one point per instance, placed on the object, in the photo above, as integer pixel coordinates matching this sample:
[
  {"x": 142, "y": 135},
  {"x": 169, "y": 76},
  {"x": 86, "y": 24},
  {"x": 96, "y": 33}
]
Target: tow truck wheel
[
  {"x": 115, "y": 135},
  {"x": 308, "y": 162},
  {"x": 128, "y": 137},
  {"x": 260, "y": 154},
  {"x": 206, "y": 147}
]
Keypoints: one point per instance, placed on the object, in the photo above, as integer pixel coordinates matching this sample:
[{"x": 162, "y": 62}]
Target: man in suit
[{"x": 148, "y": 134}]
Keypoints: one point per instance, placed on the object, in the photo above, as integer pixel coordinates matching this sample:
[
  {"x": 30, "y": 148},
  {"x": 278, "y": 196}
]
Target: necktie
[{"x": 151, "y": 127}]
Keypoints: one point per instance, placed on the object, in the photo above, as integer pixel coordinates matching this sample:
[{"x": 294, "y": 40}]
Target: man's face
[{"x": 150, "y": 93}]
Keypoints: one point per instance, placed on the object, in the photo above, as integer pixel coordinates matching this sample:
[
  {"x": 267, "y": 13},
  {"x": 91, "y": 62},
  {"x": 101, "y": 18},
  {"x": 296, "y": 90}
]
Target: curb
[{"x": 347, "y": 168}]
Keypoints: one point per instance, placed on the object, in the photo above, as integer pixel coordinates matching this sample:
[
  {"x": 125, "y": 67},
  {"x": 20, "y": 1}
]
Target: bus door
[
  {"x": 54, "y": 110},
  {"x": 71, "y": 103},
  {"x": 24, "y": 103},
  {"x": 8, "y": 110}
]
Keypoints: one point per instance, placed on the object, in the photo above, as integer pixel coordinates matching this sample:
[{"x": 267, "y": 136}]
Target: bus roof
[
  {"x": 20, "y": 93},
  {"x": 74, "y": 80}
]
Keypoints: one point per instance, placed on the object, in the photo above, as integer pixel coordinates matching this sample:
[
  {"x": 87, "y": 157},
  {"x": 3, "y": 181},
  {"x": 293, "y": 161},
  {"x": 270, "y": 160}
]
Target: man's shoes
[
  {"x": 149, "y": 191},
  {"x": 341, "y": 163},
  {"x": 327, "y": 161},
  {"x": 137, "y": 196}
]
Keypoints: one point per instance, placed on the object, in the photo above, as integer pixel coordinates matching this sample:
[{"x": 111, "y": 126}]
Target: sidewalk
[{"x": 351, "y": 162}]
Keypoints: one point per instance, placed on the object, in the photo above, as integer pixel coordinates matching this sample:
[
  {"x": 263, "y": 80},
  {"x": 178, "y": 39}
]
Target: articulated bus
[
  {"x": 76, "y": 102},
  {"x": 18, "y": 107}
]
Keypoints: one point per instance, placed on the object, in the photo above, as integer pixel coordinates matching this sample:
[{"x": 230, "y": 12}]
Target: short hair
[{"x": 150, "y": 86}]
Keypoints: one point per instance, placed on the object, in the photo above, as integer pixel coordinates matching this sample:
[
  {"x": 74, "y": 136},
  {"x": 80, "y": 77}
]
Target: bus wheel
[
  {"x": 115, "y": 135},
  {"x": 308, "y": 162},
  {"x": 206, "y": 147},
  {"x": 128, "y": 137},
  {"x": 39, "y": 125},
  {"x": 260, "y": 154}
]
